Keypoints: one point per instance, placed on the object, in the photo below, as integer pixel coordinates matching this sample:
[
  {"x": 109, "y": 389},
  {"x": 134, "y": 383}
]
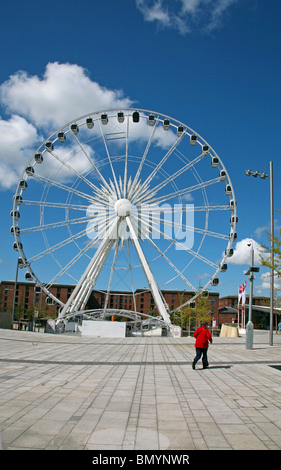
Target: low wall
[
  {"x": 229, "y": 331},
  {"x": 103, "y": 329},
  {"x": 5, "y": 320}
]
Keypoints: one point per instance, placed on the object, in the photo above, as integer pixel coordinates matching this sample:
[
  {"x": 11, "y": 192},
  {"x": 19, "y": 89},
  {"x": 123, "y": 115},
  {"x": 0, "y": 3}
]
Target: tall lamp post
[
  {"x": 270, "y": 176},
  {"x": 250, "y": 272}
]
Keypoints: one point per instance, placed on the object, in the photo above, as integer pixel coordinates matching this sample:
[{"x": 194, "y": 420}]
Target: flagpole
[
  {"x": 244, "y": 300},
  {"x": 242, "y": 296},
  {"x": 250, "y": 326},
  {"x": 238, "y": 305}
]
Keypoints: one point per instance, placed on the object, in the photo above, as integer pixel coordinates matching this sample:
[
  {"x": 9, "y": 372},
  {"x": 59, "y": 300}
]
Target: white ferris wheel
[{"x": 120, "y": 200}]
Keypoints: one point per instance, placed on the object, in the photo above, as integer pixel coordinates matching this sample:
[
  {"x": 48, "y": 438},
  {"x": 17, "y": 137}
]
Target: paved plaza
[{"x": 62, "y": 392}]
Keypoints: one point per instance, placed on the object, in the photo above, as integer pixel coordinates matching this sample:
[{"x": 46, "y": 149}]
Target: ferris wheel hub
[{"x": 123, "y": 207}]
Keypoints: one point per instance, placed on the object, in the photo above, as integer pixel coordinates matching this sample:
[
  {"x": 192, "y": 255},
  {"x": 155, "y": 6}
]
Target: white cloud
[
  {"x": 17, "y": 138},
  {"x": 154, "y": 13},
  {"x": 265, "y": 278},
  {"x": 242, "y": 253},
  {"x": 64, "y": 93},
  {"x": 72, "y": 156},
  {"x": 36, "y": 104},
  {"x": 266, "y": 228},
  {"x": 185, "y": 15},
  {"x": 16, "y": 133},
  {"x": 41, "y": 105},
  {"x": 217, "y": 13},
  {"x": 160, "y": 13}
]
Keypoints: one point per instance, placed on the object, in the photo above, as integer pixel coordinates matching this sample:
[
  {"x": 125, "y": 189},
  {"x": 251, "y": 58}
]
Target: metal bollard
[{"x": 249, "y": 335}]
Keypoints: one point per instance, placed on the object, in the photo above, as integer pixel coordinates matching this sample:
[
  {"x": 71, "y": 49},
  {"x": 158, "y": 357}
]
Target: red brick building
[
  {"x": 29, "y": 298},
  {"x": 144, "y": 300},
  {"x": 228, "y": 310},
  {"x": 232, "y": 301}
]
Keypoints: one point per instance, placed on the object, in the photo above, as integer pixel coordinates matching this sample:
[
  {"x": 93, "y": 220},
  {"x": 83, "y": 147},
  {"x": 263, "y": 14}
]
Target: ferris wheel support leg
[
  {"x": 82, "y": 291},
  {"x": 149, "y": 276}
]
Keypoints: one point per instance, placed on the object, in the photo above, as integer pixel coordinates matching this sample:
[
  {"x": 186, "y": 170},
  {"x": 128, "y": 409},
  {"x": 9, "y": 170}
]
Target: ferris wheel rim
[{"x": 98, "y": 113}]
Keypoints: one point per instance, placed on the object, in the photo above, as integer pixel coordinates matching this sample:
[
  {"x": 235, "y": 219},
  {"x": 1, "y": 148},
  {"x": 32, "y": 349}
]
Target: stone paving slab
[{"x": 64, "y": 392}]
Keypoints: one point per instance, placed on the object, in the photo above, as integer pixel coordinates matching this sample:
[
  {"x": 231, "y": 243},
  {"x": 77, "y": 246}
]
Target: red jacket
[{"x": 203, "y": 337}]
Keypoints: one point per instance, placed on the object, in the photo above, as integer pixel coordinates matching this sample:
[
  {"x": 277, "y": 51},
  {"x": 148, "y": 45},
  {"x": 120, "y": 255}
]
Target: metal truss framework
[{"x": 130, "y": 198}]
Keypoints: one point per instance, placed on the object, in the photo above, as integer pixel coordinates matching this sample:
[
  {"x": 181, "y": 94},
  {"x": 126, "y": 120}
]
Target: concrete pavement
[{"x": 60, "y": 392}]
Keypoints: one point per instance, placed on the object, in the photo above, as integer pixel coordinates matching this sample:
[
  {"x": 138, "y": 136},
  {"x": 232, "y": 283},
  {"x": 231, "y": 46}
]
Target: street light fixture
[
  {"x": 250, "y": 273},
  {"x": 270, "y": 176}
]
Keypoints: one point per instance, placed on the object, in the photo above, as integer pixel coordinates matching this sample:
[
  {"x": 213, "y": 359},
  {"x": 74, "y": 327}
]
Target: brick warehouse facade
[
  {"x": 29, "y": 298},
  {"x": 145, "y": 302},
  {"x": 232, "y": 300},
  {"x": 228, "y": 310}
]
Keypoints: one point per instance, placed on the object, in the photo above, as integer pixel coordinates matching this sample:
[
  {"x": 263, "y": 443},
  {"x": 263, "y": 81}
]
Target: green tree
[
  {"x": 29, "y": 313},
  {"x": 266, "y": 259},
  {"x": 202, "y": 309},
  {"x": 19, "y": 309},
  {"x": 182, "y": 316},
  {"x": 190, "y": 318}
]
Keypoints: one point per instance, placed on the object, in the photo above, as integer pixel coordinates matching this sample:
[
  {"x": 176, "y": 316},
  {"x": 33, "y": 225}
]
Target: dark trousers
[{"x": 199, "y": 352}]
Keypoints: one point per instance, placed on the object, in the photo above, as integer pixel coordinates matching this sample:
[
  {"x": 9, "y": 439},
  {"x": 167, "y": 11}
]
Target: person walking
[{"x": 203, "y": 338}]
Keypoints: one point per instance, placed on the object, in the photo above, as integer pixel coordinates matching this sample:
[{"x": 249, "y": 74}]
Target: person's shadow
[{"x": 216, "y": 367}]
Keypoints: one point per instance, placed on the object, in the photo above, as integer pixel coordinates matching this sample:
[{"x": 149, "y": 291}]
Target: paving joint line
[{"x": 127, "y": 363}]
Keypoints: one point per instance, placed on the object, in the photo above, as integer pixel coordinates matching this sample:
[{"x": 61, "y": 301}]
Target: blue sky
[{"x": 213, "y": 65}]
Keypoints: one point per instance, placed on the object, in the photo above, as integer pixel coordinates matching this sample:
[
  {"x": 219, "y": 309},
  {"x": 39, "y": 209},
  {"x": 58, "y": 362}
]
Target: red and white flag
[{"x": 242, "y": 294}]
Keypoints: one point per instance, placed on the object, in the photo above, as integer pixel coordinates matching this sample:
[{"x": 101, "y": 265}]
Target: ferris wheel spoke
[
  {"x": 207, "y": 208},
  {"x": 62, "y": 186},
  {"x": 164, "y": 159},
  {"x": 64, "y": 270},
  {"x": 126, "y": 160},
  {"x": 54, "y": 225},
  {"x": 117, "y": 190},
  {"x": 158, "y": 297},
  {"x": 57, "y": 205},
  {"x": 147, "y": 208},
  {"x": 131, "y": 274},
  {"x": 181, "y": 192},
  {"x": 154, "y": 221},
  {"x": 70, "y": 264},
  {"x": 56, "y": 247},
  {"x": 136, "y": 179},
  {"x": 90, "y": 160},
  {"x": 82, "y": 291},
  {"x": 75, "y": 172},
  {"x": 65, "y": 242},
  {"x": 175, "y": 175},
  {"x": 165, "y": 257},
  {"x": 139, "y": 190},
  {"x": 117, "y": 243},
  {"x": 183, "y": 247},
  {"x": 209, "y": 233},
  {"x": 101, "y": 230}
]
